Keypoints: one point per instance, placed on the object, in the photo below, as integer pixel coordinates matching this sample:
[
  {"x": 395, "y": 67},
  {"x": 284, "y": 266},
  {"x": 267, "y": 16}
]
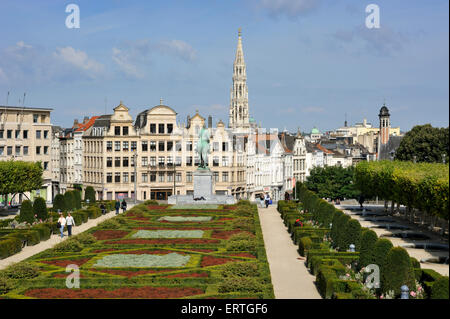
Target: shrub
[
  {"x": 69, "y": 201},
  {"x": 71, "y": 245},
  {"x": 85, "y": 238},
  {"x": 44, "y": 231},
  {"x": 352, "y": 234},
  {"x": 10, "y": 246},
  {"x": 367, "y": 254},
  {"x": 380, "y": 251},
  {"x": 439, "y": 289},
  {"x": 241, "y": 242},
  {"x": 245, "y": 269},
  {"x": 5, "y": 284},
  {"x": 94, "y": 212},
  {"x": 304, "y": 244},
  {"x": 341, "y": 232},
  {"x": 149, "y": 202},
  {"x": 415, "y": 263},
  {"x": 240, "y": 284},
  {"x": 40, "y": 208},
  {"x": 244, "y": 223},
  {"x": 244, "y": 202},
  {"x": 89, "y": 193},
  {"x": 244, "y": 211},
  {"x": 22, "y": 270},
  {"x": 59, "y": 203},
  {"x": 112, "y": 223},
  {"x": 77, "y": 198},
  {"x": 397, "y": 271},
  {"x": 26, "y": 212}
]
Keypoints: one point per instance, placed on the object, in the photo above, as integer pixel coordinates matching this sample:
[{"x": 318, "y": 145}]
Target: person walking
[
  {"x": 103, "y": 208},
  {"x": 124, "y": 206},
  {"x": 117, "y": 206},
  {"x": 61, "y": 223},
  {"x": 261, "y": 199},
  {"x": 69, "y": 222},
  {"x": 267, "y": 200}
]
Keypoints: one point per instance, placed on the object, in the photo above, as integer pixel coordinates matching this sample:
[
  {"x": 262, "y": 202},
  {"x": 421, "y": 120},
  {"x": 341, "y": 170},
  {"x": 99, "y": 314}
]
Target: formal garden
[
  {"x": 153, "y": 251},
  {"x": 339, "y": 251}
]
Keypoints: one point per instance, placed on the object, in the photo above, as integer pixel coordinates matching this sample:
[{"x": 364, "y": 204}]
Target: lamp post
[{"x": 135, "y": 175}]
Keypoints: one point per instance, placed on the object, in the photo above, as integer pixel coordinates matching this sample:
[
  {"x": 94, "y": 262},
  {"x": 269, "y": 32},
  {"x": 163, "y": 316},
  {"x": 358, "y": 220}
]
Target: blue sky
[{"x": 309, "y": 62}]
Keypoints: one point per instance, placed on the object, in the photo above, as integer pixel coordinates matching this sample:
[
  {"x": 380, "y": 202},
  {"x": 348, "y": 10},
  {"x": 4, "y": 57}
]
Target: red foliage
[
  {"x": 64, "y": 275},
  {"x": 156, "y": 207},
  {"x": 212, "y": 261},
  {"x": 224, "y": 234},
  {"x": 151, "y": 252},
  {"x": 66, "y": 262},
  {"x": 226, "y": 218},
  {"x": 122, "y": 293},
  {"x": 131, "y": 273},
  {"x": 163, "y": 241},
  {"x": 109, "y": 234},
  {"x": 243, "y": 255}
]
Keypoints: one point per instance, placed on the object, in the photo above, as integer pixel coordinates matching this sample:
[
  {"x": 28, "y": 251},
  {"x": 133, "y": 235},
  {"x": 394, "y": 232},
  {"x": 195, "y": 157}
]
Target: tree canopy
[{"x": 20, "y": 176}]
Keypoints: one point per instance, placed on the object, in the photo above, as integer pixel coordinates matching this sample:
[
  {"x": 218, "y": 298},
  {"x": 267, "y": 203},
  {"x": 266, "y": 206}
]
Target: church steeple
[{"x": 239, "y": 115}]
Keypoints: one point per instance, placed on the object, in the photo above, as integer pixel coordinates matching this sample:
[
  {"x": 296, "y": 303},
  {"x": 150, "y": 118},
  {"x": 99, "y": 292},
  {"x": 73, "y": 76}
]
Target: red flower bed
[
  {"x": 226, "y": 218},
  {"x": 224, "y": 234},
  {"x": 151, "y": 252},
  {"x": 248, "y": 255},
  {"x": 163, "y": 241},
  {"x": 188, "y": 275},
  {"x": 212, "y": 261},
  {"x": 131, "y": 214},
  {"x": 166, "y": 228},
  {"x": 61, "y": 275},
  {"x": 66, "y": 262},
  {"x": 122, "y": 293},
  {"x": 109, "y": 234},
  {"x": 131, "y": 273},
  {"x": 156, "y": 207}
]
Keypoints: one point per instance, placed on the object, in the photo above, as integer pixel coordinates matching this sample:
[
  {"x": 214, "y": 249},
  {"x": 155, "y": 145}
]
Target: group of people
[
  {"x": 265, "y": 200},
  {"x": 119, "y": 205},
  {"x": 65, "y": 221}
]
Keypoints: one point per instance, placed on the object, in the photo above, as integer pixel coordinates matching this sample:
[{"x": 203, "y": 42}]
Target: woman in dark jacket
[{"x": 117, "y": 206}]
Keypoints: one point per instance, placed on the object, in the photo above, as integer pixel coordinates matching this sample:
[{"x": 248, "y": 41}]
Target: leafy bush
[
  {"x": 415, "y": 263},
  {"x": 44, "y": 231},
  {"x": 5, "y": 284},
  {"x": 352, "y": 234},
  {"x": 151, "y": 202},
  {"x": 40, "y": 208},
  {"x": 304, "y": 244},
  {"x": 26, "y": 212},
  {"x": 439, "y": 289},
  {"x": 241, "y": 242},
  {"x": 22, "y": 270},
  {"x": 397, "y": 271},
  {"x": 59, "y": 203},
  {"x": 113, "y": 223},
  {"x": 367, "y": 254},
  {"x": 10, "y": 246},
  {"x": 244, "y": 223},
  {"x": 380, "y": 251},
  {"x": 240, "y": 284},
  {"x": 77, "y": 198},
  {"x": 69, "y": 201},
  {"x": 85, "y": 238},
  {"x": 244, "y": 202},
  {"x": 341, "y": 232},
  {"x": 89, "y": 193},
  {"x": 245, "y": 269},
  {"x": 71, "y": 245}
]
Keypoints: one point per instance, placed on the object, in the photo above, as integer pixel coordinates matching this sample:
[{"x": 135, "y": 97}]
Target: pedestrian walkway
[
  {"x": 290, "y": 277},
  {"x": 29, "y": 251}
]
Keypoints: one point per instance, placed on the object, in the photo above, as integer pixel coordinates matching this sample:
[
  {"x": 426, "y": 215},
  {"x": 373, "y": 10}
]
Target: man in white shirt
[{"x": 69, "y": 223}]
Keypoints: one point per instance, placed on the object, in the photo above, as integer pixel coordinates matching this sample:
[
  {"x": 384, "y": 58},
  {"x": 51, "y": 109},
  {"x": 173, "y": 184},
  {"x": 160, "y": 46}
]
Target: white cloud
[
  {"x": 178, "y": 48},
  {"x": 290, "y": 8},
  {"x": 80, "y": 60}
]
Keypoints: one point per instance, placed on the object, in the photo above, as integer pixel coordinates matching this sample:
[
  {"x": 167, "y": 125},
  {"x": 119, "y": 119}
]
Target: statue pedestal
[{"x": 203, "y": 183}]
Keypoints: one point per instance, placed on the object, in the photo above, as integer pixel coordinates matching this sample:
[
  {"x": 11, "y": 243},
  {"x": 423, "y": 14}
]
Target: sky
[{"x": 310, "y": 63}]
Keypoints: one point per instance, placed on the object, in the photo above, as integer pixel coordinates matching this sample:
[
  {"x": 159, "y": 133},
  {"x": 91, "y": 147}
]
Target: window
[
  {"x": 45, "y": 150},
  {"x": 170, "y": 177},
  {"x": 188, "y": 160},
  {"x": 225, "y": 177},
  {"x": 125, "y": 145},
  {"x": 178, "y": 177},
  {"x": 224, "y": 146},
  {"x": 144, "y": 161},
  {"x": 169, "y": 146},
  {"x": 169, "y": 160},
  {"x": 2, "y": 150},
  {"x": 161, "y": 146},
  {"x": 153, "y": 128},
  {"x": 17, "y": 135},
  {"x": 9, "y": 134},
  {"x": 153, "y": 161},
  {"x": 25, "y": 150},
  {"x": 169, "y": 128},
  {"x": 178, "y": 161},
  {"x": 125, "y": 177},
  {"x": 38, "y": 150},
  {"x": 35, "y": 118},
  {"x": 225, "y": 161},
  {"x": 109, "y": 177},
  {"x": 161, "y": 128},
  {"x": 161, "y": 160},
  {"x": 161, "y": 177},
  {"x": 117, "y": 146},
  {"x": 45, "y": 134},
  {"x": 125, "y": 161},
  {"x": 108, "y": 146},
  {"x": 45, "y": 166},
  {"x": 132, "y": 161},
  {"x": 178, "y": 146},
  {"x": 1, "y": 133},
  {"x": 133, "y": 146},
  {"x": 109, "y": 162},
  {"x": 152, "y": 146},
  {"x": 17, "y": 150},
  {"x": 144, "y": 177},
  {"x": 189, "y": 146},
  {"x": 215, "y": 146},
  {"x": 216, "y": 161},
  {"x": 153, "y": 177},
  {"x": 144, "y": 146},
  {"x": 116, "y": 130},
  {"x": 189, "y": 177},
  {"x": 43, "y": 118},
  {"x": 117, "y": 177},
  {"x": 197, "y": 160},
  {"x": 125, "y": 130},
  {"x": 117, "y": 162},
  {"x": 132, "y": 177},
  {"x": 216, "y": 176}
]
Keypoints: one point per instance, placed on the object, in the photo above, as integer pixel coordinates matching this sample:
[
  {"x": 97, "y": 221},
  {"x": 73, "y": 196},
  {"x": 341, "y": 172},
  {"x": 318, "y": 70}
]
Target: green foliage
[
  {"x": 341, "y": 235},
  {"x": 333, "y": 182},
  {"x": 304, "y": 244},
  {"x": 77, "y": 198},
  {"x": 22, "y": 270},
  {"x": 425, "y": 142},
  {"x": 85, "y": 238},
  {"x": 69, "y": 245},
  {"x": 149, "y": 202},
  {"x": 6, "y": 284},
  {"x": 243, "y": 223},
  {"x": 10, "y": 246},
  {"x": 20, "y": 176},
  {"x": 44, "y": 231},
  {"x": 245, "y": 269},
  {"x": 240, "y": 284},
  {"x": 440, "y": 288},
  {"x": 40, "y": 208},
  {"x": 69, "y": 201},
  {"x": 241, "y": 242},
  {"x": 89, "y": 193},
  {"x": 26, "y": 212},
  {"x": 352, "y": 234},
  {"x": 397, "y": 271},
  {"x": 380, "y": 251},
  {"x": 367, "y": 254},
  {"x": 59, "y": 203},
  {"x": 415, "y": 263}
]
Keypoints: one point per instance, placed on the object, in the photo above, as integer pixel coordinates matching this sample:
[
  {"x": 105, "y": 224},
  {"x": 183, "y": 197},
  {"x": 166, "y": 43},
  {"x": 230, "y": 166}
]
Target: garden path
[
  {"x": 290, "y": 277},
  {"x": 29, "y": 251}
]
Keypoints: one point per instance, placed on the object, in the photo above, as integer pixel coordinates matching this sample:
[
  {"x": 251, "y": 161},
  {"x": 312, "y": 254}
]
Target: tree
[
  {"x": 26, "y": 212},
  {"x": 425, "y": 142},
  {"x": 366, "y": 255},
  {"x": 89, "y": 193},
  {"x": 59, "y": 203},
  {"x": 40, "y": 208},
  {"x": 77, "y": 198},
  {"x": 19, "y": 176},
  {"x": 69, "y": 201},
  {"x": 397, "y": 271},
  {"x": 335, "y": 182}
]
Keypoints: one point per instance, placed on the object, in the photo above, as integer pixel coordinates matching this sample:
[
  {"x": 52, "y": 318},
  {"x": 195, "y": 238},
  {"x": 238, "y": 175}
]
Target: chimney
[
  {"x": 75, "y": 122},
  {"x": 86, "y": 119},
  {"x": 210, "y": 121}
]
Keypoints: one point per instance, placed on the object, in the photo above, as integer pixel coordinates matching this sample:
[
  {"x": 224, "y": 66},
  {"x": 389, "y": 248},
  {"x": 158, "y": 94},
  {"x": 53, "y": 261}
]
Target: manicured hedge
[
  {"x": 367, "y": 254},
  {"x": 439, "y": 289},
  {"x": 397, "y": 271}
]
